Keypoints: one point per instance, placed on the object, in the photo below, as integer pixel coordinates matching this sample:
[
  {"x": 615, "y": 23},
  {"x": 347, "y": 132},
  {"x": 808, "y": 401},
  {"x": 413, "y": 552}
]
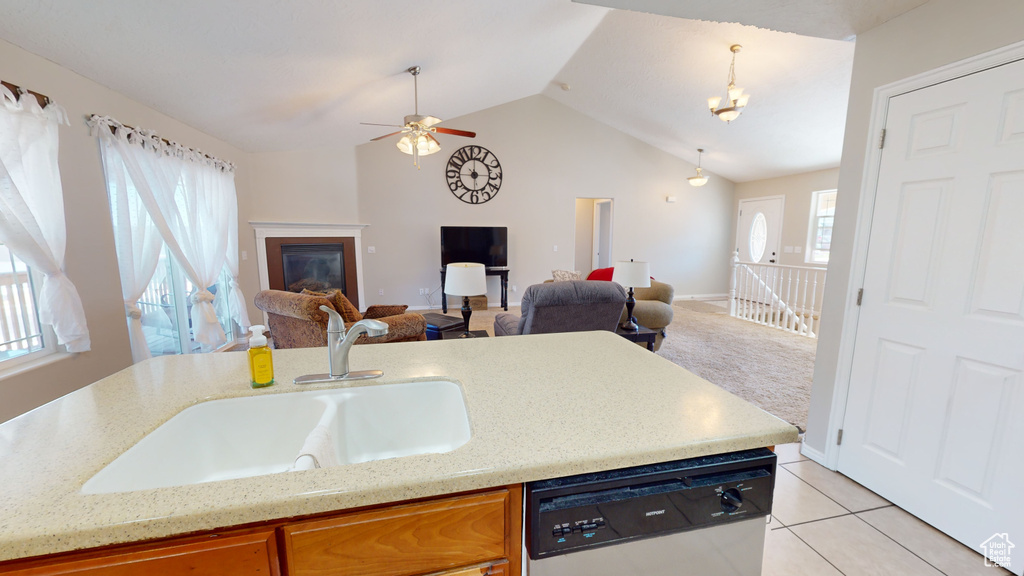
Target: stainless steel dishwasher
[{"x": 701, "y": 516}]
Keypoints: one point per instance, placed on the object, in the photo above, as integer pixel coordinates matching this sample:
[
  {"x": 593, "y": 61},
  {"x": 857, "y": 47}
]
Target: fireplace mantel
[{"x": 266, "y": 230}]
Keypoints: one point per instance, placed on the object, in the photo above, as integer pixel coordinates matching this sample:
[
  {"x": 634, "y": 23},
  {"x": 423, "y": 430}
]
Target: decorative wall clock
[{"x": 473, "y": 174}]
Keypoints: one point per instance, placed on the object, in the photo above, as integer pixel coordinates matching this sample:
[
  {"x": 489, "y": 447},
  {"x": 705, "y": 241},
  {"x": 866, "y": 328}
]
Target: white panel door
[
  {"x": 934, "y": 413},
  {"x": 759, "y": 229}
]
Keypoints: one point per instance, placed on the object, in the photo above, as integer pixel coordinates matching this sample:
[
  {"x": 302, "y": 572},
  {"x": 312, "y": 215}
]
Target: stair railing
[{"x": 783, "y": 297}]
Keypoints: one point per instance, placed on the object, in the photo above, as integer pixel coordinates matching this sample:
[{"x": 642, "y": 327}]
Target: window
[
  {"x": 819, "y": 237},
  {"x": 22, "y": 337},
  {"x": 166, "y": 304}
]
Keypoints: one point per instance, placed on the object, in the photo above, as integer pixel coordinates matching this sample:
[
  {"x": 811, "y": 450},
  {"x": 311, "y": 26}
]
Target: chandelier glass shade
[
  {"x": 700, "y": 179},
  {"x": 735, "y": 99}
]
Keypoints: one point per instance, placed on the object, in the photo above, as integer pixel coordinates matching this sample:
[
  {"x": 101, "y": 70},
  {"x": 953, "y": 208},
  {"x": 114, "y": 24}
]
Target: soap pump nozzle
[{"x": 257, "y": 339}]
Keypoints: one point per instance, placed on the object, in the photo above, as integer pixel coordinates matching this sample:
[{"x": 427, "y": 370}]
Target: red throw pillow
[{"x": 601, "y": 274}]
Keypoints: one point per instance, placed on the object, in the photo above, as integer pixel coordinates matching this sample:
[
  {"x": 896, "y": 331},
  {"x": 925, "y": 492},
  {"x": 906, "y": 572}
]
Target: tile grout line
[
  {"x": 822, "y": 493},
  {"x": 898, "y": 543},
  {"x": 815, "y": 550},
  {"x": 818, "y": 520}
]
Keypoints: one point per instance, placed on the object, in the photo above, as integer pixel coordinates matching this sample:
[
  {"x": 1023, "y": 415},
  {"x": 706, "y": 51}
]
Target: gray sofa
[{"x": 574, "y": 306}]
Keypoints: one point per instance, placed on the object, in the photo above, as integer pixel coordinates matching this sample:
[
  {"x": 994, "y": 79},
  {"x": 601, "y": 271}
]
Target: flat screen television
[{"x": 487, "y": 245}]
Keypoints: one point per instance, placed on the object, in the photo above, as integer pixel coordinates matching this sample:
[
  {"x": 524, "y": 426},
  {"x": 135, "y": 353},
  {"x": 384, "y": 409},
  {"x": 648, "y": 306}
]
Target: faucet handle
[
  {"x": 335, "y": 322},
  {"x": 374, "y": 327}
]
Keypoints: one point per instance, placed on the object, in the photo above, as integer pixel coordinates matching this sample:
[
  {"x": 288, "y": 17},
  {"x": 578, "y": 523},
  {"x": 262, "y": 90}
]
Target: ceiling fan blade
[
  {"x": 454, "y": 132},
  {"x": 385, "y": 136},
  {"x": 375, "y": 124},
  {"x": 429, "y": 121}
]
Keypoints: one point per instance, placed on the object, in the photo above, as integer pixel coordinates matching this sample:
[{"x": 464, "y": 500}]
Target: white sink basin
[{"x": 256, "y": 435}]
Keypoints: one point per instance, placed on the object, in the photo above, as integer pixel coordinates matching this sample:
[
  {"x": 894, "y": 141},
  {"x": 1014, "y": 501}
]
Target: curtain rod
[
  {"x": 42, "y": 99},
  {"x": 113, "y": 130}
]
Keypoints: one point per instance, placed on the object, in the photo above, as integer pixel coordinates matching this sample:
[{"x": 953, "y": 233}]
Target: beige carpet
[{"x": 767, "y": 367}]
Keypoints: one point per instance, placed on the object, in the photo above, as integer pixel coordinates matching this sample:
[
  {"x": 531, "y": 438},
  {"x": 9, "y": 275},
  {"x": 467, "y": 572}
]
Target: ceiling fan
[{"x": 418, "y": 131}]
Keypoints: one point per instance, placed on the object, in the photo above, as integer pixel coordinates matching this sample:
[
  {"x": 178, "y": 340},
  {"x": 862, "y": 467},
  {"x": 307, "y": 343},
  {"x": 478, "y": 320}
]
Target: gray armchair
[{"x": 574, "y": 306}]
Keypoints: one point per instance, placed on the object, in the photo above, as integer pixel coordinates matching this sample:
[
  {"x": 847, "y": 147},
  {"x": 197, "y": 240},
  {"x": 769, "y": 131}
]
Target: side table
[
  {"x": 643, "y": 334},
  {"x": 438, "y": 324},
  {"x": 454, "y": 335}
]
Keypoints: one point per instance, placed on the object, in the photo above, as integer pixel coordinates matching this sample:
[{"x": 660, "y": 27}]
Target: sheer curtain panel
[
  {"x": 32, "y": 210},
  {"x": 190, "y": 202},
  {"x": 137, "y": 242}
]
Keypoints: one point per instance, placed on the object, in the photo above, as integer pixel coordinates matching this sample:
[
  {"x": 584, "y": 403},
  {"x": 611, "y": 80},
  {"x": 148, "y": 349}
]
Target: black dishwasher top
[{"x": 577, "y": 512}]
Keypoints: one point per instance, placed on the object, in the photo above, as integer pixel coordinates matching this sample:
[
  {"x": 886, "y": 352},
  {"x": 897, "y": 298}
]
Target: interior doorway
[{"x": 593, "y": 234}]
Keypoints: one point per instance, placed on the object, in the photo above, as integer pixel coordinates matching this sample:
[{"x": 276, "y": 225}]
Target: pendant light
[
  {"x": 700, "y": 179},
  {"x": 735, "y": 100}
]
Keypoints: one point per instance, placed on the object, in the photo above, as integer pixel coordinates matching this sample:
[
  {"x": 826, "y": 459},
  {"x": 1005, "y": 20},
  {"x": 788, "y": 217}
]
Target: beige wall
[
  {"x": 317, "y": 186},
  {"x": 932, "y": 35},
  {"x": 90, "y": 259},
  {"x": 550, "y": 155},
  {"x": 795, "y": 221}
]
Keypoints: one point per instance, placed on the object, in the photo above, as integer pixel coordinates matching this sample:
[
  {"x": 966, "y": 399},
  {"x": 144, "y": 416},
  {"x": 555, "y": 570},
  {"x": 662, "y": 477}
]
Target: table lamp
[
  {"x": 631, "y": 274},
  {"x": 465, "y": 279}
]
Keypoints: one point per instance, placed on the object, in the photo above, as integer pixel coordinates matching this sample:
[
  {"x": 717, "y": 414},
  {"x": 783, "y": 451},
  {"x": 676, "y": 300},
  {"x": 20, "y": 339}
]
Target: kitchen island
[{"x": 539, "y": 406}]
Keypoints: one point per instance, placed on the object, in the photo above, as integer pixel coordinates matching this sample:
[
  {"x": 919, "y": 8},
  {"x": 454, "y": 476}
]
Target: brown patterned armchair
[{"x": 296, "y": 321}]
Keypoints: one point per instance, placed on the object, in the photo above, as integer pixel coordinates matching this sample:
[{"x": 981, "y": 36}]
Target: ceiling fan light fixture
[
  {"x": 700, "y": 179},
  {"x": 418, "y": 131},
  {"x": 735, "y": 99},
  {"x": 424, "y": 145}
]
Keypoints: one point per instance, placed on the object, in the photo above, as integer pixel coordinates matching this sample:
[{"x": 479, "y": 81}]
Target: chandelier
[
  {"x": 700, "y": 179},
  {"x": 736, "y": 100}
]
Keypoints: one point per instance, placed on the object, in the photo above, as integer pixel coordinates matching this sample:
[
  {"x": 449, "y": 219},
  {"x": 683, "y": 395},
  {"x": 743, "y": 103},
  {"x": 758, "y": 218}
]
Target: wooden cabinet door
[
  {"x": 498, "y": 569},
  {"x": 252, "y": 554},
  {"x": 403, "y": 540}
]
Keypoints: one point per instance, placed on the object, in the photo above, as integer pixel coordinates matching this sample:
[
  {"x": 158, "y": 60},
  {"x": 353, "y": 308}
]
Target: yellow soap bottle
[{"x": 261, "y": 363}]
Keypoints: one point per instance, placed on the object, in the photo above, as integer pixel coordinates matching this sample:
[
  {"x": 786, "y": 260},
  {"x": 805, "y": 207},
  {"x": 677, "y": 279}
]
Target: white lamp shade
[
  {"x": 465, "y": 279},
  {"x": 632, "y": 274}
]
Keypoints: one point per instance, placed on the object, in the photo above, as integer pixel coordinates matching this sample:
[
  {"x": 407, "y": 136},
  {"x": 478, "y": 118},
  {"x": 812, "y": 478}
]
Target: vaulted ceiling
[{"x": 270, "y": 75}]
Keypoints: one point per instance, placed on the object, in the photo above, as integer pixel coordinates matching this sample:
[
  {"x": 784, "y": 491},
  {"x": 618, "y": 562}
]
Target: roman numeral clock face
[{"x": 473, "y": 174}]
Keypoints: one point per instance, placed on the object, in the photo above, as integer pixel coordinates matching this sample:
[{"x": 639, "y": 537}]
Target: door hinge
[
  {"x": 881, "y": 140},
  {"x": 839, "y": 437},
  {"x": 860, "y": 296}
]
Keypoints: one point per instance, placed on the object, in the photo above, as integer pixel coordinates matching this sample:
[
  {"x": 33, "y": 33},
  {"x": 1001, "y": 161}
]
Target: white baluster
[{"x": 734, "y": 262}]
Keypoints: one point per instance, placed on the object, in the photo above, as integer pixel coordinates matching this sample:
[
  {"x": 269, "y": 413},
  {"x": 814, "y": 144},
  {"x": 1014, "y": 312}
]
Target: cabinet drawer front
[
  {"x": 240, "y": 555},
  {"x": 413, "y": 539}
]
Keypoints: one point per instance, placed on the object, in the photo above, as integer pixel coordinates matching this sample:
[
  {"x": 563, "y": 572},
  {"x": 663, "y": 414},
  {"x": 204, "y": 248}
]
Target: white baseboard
[
  {"x": 723, "y": 296},
  {"x": 813, "y": 454}
]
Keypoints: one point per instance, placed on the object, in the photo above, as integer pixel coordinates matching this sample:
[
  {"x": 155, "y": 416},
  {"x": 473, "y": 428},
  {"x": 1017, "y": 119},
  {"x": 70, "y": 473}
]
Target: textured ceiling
[
  {"x": 831, "y": 19},
  {"x": 270, "y": 75},
  {"x": 650, "y": 77}
]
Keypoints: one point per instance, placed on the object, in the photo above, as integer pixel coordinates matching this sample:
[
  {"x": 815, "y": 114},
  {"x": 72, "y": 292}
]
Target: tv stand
[{"x": 501, "y": 271}]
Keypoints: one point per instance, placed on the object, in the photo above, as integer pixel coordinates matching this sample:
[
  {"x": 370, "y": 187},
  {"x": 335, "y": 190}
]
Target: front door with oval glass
[{"x": 759, "y": 229}]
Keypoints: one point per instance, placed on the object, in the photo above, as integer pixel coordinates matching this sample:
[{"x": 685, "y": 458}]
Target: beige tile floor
[{"x": 825, "y": 524}]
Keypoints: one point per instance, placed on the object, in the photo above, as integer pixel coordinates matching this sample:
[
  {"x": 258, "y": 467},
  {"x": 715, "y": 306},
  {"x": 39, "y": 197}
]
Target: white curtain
[
  {"x": 32, "y": 210},
  {"x": 235, "y": 299},
  {"x": 189, "y": 202},
  {"x": 137, "y": 241}
]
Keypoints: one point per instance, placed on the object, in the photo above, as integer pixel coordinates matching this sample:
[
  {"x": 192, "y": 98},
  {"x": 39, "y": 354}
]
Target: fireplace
[{"x": 316, "y": 257}]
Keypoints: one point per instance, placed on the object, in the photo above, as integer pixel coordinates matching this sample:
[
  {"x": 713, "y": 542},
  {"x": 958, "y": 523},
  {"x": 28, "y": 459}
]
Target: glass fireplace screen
[{"x": 317, "y": 267}]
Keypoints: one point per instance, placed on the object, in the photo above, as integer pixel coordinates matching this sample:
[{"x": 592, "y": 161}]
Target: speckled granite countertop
[{"x": 540, "y": 406}]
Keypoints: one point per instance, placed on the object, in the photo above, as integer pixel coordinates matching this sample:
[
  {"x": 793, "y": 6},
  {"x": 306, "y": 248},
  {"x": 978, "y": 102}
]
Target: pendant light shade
[
  {"x": 735, "y": 99},
  {"x": 700, "y": 179}
]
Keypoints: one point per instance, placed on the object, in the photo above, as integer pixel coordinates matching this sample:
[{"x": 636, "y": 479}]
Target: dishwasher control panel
[{"x": 576, "y": 512}]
